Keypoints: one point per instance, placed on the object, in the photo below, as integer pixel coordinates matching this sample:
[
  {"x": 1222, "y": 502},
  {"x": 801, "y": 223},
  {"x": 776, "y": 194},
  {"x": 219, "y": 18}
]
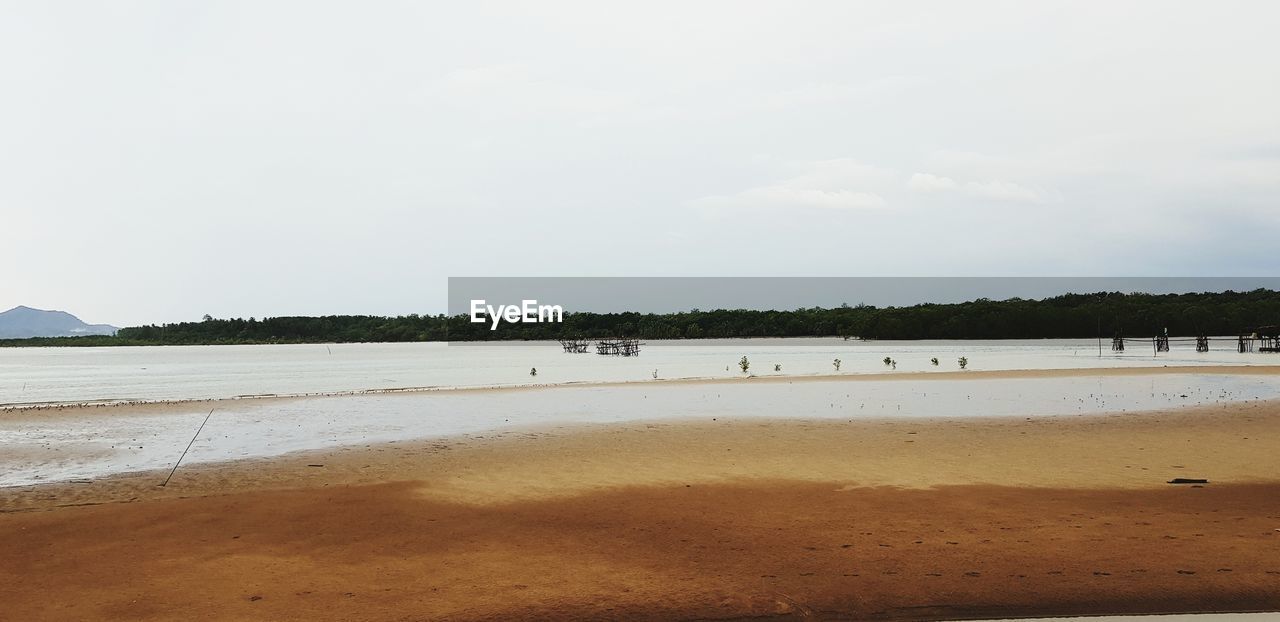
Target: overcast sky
[{"x": 163, "y": 160}]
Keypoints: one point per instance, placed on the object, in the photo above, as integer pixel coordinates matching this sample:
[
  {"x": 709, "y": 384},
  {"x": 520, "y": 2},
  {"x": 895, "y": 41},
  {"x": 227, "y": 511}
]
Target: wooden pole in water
[
  {"x": 184, "y": 452},
  {"x": 1099, "y": 336}
]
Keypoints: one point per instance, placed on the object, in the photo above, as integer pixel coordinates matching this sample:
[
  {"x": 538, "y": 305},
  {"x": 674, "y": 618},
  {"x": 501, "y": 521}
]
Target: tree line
[{"x": 1067, "y": 316}]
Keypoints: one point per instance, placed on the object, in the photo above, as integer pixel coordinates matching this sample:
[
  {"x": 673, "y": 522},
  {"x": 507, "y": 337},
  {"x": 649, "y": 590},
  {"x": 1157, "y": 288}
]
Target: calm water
[
  {"x": 68, "y": 375},
  {"x": 43, "y": 446},
  {"x": 91, "y": 442}
]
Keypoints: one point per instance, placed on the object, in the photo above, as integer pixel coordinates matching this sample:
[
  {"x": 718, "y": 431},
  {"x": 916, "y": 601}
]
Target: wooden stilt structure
[
  {"x": 1268, "y": 338},
  {"x": 618, "y": 347},
  {"x": 1245, "y": 343},
  {"x": 575, "y": 346},
  {"x": 1261, "y": 339}
]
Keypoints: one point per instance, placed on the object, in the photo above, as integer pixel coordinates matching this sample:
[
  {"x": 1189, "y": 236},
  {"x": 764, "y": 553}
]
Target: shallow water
[
  {"x": 44, "y": 446},
  {"x": 71, "y": 375}
]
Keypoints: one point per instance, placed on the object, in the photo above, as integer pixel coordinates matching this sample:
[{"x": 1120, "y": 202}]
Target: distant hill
[{"x": 22, "y": 322}]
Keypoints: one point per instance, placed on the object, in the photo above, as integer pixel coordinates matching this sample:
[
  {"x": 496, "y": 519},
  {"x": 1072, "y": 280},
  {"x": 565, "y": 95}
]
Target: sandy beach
[{"x": 683, "y": 519}]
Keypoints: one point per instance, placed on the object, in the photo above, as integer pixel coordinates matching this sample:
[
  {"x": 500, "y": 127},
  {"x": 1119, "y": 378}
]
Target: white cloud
[
  {"x": 840, "y": 184},
  {"x": 926, "y": 182},
  {"x": 847, "y": 184},
  {"x": 839, "y": 173},
  {"x": 782, "y": 196},
  {"x": 996, "y": 189}
]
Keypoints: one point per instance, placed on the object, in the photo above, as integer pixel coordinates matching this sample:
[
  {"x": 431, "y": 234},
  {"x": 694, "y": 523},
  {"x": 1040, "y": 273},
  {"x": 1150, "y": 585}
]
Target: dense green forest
[{"x": 1070, "y": 315}]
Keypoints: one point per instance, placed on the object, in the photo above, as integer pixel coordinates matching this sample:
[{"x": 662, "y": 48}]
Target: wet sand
[
  {"x": 890, "y": 519},
  {"x": 98, "y": 442}
]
